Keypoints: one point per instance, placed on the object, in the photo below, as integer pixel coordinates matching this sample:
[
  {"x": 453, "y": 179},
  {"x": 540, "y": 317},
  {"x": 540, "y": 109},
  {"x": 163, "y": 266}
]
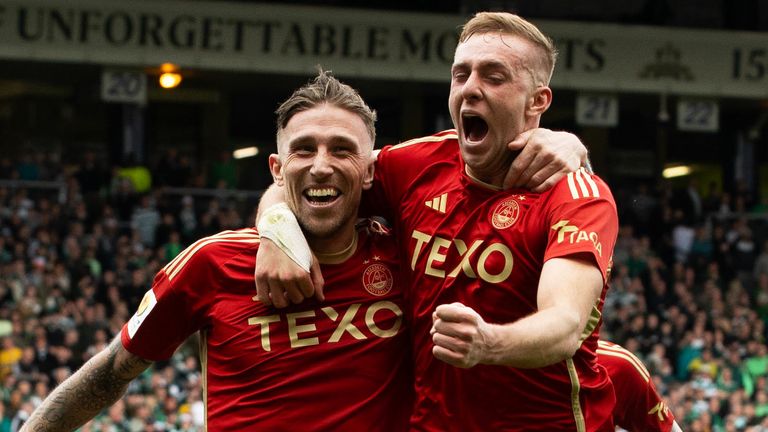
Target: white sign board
[
  {"x": 698, "y": 115},
  {"x": 597, "y": 110},
  {"x": 123, "y": 86},
  {"x": 282, "y": 39}
]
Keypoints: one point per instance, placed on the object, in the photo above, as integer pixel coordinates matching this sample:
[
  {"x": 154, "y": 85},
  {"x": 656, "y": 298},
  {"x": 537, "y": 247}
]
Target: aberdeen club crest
[
  {"x": 377, "y": 279},
  {"x": 505, "y": 214}
]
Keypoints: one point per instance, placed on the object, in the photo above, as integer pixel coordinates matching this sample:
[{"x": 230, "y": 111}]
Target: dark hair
[{"x": 324, "y": 88}]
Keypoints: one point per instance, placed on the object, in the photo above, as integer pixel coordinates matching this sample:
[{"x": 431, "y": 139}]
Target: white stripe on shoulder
[
  {"x": 175, "y": 271},
  {"x": 582, "y": 185},
  {"x": 572, "y": 186},
  {"x": 240, "y": 234},
  {"x": 174, "y": 261},
  {"x": 431, "y": 138},
  {"x": 591, "y": 181}
]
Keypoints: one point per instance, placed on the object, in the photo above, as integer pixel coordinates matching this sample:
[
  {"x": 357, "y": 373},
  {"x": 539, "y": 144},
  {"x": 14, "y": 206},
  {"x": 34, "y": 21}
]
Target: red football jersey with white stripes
[
  {"x": 340, "y": 365},
  {"x": 638, "y": 405},
  {"x": 464, "y": 241}
]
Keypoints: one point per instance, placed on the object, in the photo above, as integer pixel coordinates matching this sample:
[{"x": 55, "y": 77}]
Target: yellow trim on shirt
[
  {"x": 431, "y": 138},
  {"x": 592, "y": 322},
  {"x": 204, "y": 374},
  {"x": 578, "y": 415}
]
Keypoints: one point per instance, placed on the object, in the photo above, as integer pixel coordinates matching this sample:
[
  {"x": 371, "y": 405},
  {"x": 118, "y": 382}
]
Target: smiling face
[
  {"x": 494, "y": 97},
  {"x": 324, "y": 163}
]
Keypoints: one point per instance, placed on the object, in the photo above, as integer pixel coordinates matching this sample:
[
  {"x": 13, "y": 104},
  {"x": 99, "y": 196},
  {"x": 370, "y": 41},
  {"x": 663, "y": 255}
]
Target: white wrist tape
[{"x": 279, "y": 224}]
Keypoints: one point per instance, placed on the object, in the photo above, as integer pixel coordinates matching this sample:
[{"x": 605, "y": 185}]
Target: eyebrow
[
  {"x": 492, "y": 64},
  {"x": 310, "y": 140},
  {"x": 482, "y": 64}
]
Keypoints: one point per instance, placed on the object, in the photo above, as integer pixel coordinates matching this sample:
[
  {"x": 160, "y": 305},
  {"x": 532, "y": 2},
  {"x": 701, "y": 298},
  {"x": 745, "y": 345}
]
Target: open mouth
[
  {"x": 322, "y": 196},
  {"x": 475, "y": 128}
]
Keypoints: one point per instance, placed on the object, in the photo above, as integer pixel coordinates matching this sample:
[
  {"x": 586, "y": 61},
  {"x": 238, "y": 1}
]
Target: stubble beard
[{"x": 324, "y": 227}]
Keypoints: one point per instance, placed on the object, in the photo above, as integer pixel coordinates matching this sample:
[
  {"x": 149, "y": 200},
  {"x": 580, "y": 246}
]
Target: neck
[
  {"x": 335, "y": 249},
  {"x": 494, "y": 182}
]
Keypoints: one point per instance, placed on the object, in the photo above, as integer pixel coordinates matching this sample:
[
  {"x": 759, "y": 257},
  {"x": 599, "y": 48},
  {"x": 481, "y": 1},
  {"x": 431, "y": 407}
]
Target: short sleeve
[
  {"x": 582, "y": 218},
  {"x": 173, "y": 309}
]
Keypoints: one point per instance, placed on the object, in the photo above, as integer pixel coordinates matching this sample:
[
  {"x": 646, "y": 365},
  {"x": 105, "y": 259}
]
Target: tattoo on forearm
[{"x": 98, "y": 384}]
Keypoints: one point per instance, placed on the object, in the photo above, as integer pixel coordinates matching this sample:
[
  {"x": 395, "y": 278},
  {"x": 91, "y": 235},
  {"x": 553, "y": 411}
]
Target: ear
[
  {"x": 368, "y": 176},
  {"x": 539, "y": 101},
  {"x": 276, "y": 168}
]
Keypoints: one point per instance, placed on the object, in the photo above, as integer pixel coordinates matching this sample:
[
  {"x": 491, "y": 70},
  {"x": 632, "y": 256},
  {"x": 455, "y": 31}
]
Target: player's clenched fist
[
  {"x": 280, "y": 281},
  {"x": 461, "y": 337}
]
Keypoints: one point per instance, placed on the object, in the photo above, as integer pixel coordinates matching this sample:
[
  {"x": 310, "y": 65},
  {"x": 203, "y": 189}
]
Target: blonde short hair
[{"x": 507, "y": 23}]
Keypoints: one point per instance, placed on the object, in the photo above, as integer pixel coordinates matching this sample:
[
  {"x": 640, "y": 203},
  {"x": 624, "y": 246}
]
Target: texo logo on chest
[
  {"x": 438, "y": 248},
  {"x": 302, "y": 326}
]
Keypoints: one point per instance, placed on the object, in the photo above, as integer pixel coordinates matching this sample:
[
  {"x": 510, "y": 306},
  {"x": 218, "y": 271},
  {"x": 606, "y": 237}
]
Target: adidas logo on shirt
[{"x": 438, "y": 203}]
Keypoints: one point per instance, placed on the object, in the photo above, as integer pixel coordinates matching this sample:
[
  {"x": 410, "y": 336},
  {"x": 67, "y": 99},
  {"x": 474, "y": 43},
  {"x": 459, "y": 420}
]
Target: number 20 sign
[
  {"x": 123, "y": 86},
  {"x": 698, "y": 115}
]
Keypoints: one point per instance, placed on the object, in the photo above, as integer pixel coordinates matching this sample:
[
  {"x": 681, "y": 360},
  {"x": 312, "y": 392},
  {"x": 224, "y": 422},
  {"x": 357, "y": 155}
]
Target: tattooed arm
[{"x": 98, "y": 384}]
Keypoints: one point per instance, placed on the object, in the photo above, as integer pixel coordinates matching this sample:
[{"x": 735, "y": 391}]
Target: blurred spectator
[
  {"x": 7, "y": 169},
  {"x": 761, "y": 262},
  {"x": 701, "y": 249},
  {"x": 91, "y": 177},
  {"x": 223, "y": 172},
  {"x": 704, "y": 365},
  {"x": 756, "y": 364},
  {"x": 689, "y": 203},
  {"x": 712, "y": 199},
  {"x": 5, "y": 420},
  {"x": 188, "y": 219},
  {"x": 145, "y": 220},
  {"x": 173, "y": 247},
  {"x": 9, "y": 356},
  {"x": 173, "y": 169},
  {"x": 644, "y": 208},
  {"x": 164, "y": 229},
  {"x": 743, "y": 252},
  {"x": 139, "y": 176},
  {"x": 682, "y": 236},
  {"x": 28, "y": 168}
]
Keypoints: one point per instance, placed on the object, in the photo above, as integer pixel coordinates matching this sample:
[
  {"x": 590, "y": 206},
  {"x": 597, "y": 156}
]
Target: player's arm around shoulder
[
  {"x": 286, "y": 270},
  {"x": 544, "y": 157},
  {"x": 95, "y": 386}
]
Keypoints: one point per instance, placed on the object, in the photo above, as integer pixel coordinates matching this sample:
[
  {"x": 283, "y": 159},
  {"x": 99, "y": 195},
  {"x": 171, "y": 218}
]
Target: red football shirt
[
  {"x": 639, "y": 407},
  {"x": 466, "y": 242},
  {"x": 340, "y": 365}
]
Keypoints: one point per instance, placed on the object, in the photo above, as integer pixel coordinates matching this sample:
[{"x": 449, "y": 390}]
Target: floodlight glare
[
  {"x": 676, "y": 171},
  {"x": 245, "y": 152},
  {"x": 170, "y": 80}
]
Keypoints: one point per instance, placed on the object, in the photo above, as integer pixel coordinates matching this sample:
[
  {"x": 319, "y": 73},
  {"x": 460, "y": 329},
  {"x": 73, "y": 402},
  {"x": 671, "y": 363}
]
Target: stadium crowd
[{"x": 689, "y": 288}]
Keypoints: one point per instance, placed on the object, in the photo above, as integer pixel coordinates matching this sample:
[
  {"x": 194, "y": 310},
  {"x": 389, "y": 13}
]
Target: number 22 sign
[{"x": 698, "y": 115}]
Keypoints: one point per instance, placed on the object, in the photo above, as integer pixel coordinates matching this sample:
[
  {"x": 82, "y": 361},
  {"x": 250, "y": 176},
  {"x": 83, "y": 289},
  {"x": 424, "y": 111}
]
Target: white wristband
[{"x": 279, "y": 224}]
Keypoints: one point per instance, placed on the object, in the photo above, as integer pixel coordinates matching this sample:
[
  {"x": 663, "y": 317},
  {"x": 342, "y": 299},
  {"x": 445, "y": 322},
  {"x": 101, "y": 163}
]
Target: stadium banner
[{"x": 373, "y": 44}]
